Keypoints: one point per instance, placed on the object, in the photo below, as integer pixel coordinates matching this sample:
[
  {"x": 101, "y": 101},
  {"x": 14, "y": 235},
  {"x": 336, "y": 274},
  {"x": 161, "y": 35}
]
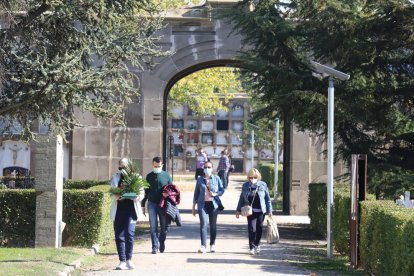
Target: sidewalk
[{"x": 231, "y": 258}]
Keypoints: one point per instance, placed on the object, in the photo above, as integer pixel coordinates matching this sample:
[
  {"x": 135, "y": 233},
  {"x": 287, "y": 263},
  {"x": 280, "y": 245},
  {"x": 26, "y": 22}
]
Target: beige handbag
[
  {"x": 272, "y": 231},
  {"x": 247, "y": 210}
]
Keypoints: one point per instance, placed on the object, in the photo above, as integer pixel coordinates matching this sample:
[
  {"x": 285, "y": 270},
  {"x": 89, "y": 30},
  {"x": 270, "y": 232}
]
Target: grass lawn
[
  {"x": 37, "y": 261},
  {"x": 322, "y": 265}
]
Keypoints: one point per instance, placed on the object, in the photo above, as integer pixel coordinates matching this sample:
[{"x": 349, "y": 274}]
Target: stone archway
[{"x": 198, "y": 42}]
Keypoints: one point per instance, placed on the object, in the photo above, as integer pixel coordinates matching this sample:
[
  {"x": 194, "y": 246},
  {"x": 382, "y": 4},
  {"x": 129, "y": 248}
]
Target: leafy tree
[
  {"x": 370, "y": 40},
  {"x": 61, "y": 57},
  {"x": 206, "y": 90}
]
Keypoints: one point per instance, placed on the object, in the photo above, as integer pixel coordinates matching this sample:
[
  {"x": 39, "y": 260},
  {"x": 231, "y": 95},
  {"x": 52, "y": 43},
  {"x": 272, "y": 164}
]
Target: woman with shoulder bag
[
  {"x": 206, "y": 196},
  {"x": 254, "y": 196}
]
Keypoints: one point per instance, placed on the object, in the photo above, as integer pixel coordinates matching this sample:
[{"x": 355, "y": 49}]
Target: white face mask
[
  {"x": 157, "y": 170},
  {"x": 208, "y": 171},
  {"x": 254, "y": 180}
]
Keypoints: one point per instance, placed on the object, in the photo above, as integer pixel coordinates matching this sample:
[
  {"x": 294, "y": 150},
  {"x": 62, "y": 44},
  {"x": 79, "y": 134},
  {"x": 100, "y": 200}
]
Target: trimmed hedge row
[
  {"x": 17, "y": 217},
  {"x": 387, "y": 238},
  {"x": 342, "y": 207},
  {"x": 83, "y": 184},
  {"x": 85, "y": 212}
]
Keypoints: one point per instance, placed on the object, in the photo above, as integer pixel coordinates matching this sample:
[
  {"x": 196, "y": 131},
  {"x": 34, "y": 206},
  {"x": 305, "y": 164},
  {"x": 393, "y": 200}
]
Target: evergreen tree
[
  {"x": 62, "y": 58},
  {"x": 370, "y": 40}
]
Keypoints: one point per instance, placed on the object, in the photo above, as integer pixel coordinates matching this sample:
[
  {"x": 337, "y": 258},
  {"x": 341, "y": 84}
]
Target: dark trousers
[
  {"x": 208, "y": 214},
  {"x": 199, "y": 172},
  {"x": 223, "y": 176},
  {"x": 255, "y": 227},
  {"x": 124, "y": 226}
]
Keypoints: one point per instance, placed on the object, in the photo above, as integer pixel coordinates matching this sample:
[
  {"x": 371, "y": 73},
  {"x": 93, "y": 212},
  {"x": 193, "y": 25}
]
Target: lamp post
[
  {"x": 324, "y": 71},
  {"x": 276, "y": 157},
  {"x": 252, "y": 142}
]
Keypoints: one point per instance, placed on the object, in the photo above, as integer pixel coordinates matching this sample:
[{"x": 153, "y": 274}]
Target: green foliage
[
  {"x": 267, "y": 172},
  {"x": 59, "y": 58},
  {"x": 387, "y": 231},
  {"x": 317, "y": 207},
  {"x": 17, "y": 217},
  {"x": 207, "y": 90},
  {"x": 84, "y": 184},
  {"x": 132, "y": 180},
  {"x": 389, "y": 182},
  {"x": 85, "y": 212},
  {"x": 367, "y": 39}
]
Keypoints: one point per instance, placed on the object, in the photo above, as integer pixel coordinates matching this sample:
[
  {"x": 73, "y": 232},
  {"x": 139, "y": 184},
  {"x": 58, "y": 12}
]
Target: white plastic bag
[{"x": 272, "y": 231}]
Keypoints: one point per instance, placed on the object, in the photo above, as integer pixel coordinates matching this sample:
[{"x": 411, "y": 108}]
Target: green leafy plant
[{"x": 132, "y": 181}]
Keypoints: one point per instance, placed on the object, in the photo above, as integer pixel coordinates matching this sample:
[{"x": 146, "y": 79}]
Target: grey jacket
[{"x": 262, "y": 192}]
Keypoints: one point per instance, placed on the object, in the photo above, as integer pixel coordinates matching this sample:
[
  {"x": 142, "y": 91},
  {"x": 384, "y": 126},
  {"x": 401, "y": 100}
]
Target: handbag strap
[{"x": 253, "y": 195}]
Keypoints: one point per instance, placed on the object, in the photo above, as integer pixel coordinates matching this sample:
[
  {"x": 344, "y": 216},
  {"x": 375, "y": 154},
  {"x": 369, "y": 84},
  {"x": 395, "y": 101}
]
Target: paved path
[{"x": 231, "y": 258}]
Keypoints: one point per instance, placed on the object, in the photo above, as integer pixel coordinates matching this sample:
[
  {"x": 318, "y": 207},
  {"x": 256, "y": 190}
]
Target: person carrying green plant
[{"x": 127, "y": 190}]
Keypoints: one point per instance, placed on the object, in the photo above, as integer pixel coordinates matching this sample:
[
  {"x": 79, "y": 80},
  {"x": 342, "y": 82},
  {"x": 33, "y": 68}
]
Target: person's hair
[
  {"x": 157, "y": 159},
  {"x": 208, "y": 162},
  {"x": 124, "y": 161},
  {"x": 254, "y": 172}
]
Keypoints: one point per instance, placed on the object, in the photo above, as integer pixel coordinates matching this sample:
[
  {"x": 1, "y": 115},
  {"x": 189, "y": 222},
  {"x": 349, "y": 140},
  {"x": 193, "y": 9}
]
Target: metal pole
[
  {"x": 276, "y": 169},
  {"x": 330, "y": 167},
  {"x": 252, "y": 148}
]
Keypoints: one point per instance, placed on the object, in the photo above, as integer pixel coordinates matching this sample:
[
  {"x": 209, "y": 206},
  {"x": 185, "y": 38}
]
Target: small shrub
[{"x": 83, "y": 184}]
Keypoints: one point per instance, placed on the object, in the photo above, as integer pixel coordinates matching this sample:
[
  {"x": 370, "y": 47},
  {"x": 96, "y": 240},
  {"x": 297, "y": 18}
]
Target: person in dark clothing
[
  {"x": 124, "y": 213},
  {"x": 156, "y": 179},
  {"x": 256, "y": 194}
]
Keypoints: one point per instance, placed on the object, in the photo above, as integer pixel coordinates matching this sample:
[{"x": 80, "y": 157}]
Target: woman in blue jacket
[
  {"x": 207, "y": 189},
  {"x": 256, "y": 194}
]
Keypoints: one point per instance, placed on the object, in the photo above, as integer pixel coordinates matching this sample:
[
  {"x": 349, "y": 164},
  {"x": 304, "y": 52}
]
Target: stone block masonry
[{"x": 48, "y": 156}]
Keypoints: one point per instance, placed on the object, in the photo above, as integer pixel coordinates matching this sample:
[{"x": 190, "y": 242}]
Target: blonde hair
[{"x": 254, "y": 173}]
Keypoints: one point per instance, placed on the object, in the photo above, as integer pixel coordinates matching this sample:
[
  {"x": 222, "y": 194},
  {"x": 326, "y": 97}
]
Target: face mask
[
  {"x": 157, "y": 170},
  {"x": 208, "y": 171},
  {"x": 254, "y": 180}
]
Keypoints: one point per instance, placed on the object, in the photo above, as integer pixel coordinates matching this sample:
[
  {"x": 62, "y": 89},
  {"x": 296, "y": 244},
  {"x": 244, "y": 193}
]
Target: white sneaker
[
  {"x": 202, "y": 249},
  {"x": 122, "y": 266},
  {"x": 257, "y": 249},
  {"x": 212, "y": 248},
  {"x": 130, "y": 265},
  {"x": 251, "y": 251}
]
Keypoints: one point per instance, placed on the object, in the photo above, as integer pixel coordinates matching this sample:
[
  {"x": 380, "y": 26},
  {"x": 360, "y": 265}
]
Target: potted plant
[{"x": 133, "y": 183}]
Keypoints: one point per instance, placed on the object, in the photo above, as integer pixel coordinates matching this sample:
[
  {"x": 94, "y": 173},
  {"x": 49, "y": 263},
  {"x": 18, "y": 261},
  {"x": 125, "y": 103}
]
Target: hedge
[
  {"x": 342, "y": 207},
  {"x": 267, "y": 172},
  {"x": 83, "y": 184},
  {"x": 387, "y": 238},
  {"x": 17, "y": 217},
  {"x": 85, "y": 212}
]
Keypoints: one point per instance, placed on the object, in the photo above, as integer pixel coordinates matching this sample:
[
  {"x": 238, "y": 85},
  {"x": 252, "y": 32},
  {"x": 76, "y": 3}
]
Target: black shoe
[
  {"x": 162, "y": 247},
  {"x": 154, "y": 251}
]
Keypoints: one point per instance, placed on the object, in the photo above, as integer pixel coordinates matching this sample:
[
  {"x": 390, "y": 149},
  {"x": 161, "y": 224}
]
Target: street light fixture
[{"x": 326, "y": 71}]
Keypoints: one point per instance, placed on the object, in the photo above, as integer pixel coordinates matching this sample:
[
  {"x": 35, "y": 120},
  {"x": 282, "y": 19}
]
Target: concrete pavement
[{"x": 231, "y": 256}]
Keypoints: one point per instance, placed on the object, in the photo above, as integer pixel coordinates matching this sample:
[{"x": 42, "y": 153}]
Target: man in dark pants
[{"x": 157, "y": 179}]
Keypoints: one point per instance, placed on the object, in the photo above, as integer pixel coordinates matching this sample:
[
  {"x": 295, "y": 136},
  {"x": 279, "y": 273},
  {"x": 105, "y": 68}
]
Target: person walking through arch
[
  {"x": 124, "y": 213},
  {"x": 201, "y": 158},
  {"x": 208, "y": 188},
  {"x": 256, "y": 194},
  {"x": 223, "y": 168},
  {"x": 157, "y": 180}
]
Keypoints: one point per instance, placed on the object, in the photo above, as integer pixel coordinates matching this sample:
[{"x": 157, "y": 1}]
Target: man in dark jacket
[{"x": 157, "y": 179}]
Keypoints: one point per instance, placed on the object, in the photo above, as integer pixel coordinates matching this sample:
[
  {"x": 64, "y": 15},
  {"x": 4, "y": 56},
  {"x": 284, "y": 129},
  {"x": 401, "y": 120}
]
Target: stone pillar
[{"x": 49, "y": 190}]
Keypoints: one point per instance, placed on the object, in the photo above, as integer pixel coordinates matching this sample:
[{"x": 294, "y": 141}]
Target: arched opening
[{"x": 166, "y": 124}]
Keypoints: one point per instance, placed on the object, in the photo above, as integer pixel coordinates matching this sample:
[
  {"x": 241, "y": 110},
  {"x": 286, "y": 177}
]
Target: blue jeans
[
  {"x": 155, "y": 213},
  {"x": 208, "y": 212},
  {"x": 223, "y": 176},
  {"x": 124, "y": 227}
]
